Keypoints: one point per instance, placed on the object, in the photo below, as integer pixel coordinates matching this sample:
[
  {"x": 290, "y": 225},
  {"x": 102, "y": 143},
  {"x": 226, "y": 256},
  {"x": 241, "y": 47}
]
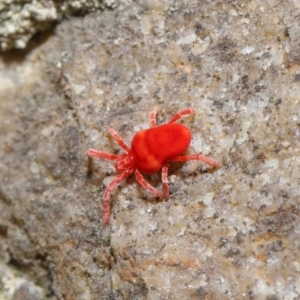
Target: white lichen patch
[{"x": 19, "y": 21}]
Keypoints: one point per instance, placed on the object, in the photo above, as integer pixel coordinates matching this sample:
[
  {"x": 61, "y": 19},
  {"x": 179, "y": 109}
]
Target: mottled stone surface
[
  {"x": 21, "y": 19},
  {"x": 231, "y": 233}
]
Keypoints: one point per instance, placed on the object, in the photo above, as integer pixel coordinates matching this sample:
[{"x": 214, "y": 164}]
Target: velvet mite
[{"x": 151, "y": 151}]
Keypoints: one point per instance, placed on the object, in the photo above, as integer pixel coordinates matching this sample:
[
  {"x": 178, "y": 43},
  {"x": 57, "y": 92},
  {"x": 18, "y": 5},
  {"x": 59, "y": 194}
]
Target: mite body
[{"x": 151, "y": 151}]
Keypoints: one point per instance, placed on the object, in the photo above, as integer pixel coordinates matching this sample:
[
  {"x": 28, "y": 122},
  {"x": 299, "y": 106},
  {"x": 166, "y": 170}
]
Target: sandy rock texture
[
  {"x": 21, "y": 19},
  {"x": 231, "y": 233}
]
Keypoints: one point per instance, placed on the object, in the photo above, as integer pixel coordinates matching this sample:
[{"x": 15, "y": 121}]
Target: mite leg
[
  {"x": 140, "y": 178},
  {"x": 164, "y": 179},
  {"x": 107, "y": 194},
  {"x": 206, "y": 159},
  {"x": 101, "y": 154},
  {"x": 152, "y": 115},
  {"x": 118, "y": 139},
  {"x": 180, "y": 114}
]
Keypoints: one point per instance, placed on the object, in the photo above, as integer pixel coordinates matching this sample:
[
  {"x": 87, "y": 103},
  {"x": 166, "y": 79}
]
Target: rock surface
[
  {"x": 21, "y": 19},
  {"x": 231, "y": 233}
]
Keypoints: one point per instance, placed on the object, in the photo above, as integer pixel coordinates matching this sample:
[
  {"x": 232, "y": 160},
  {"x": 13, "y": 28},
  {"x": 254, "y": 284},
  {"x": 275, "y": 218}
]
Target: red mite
[{"x": 151, "y": 150}]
